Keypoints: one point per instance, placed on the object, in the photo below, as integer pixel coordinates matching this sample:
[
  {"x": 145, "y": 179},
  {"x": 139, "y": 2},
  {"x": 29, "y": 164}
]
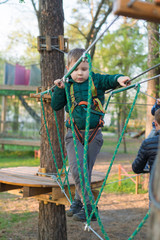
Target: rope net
[{"x": 64, "y": 182}]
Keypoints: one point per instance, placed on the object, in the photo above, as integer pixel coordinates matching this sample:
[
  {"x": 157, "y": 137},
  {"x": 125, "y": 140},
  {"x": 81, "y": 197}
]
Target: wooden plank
[
  {"x": 61, "y": 200},
  {"x": 18, "y": 87},
  {"x": 26, "y": 176},
  {"x": 20, "y": 142},
  {"x": 43, "y": 188},
  {"x": 139, "y": 10}
]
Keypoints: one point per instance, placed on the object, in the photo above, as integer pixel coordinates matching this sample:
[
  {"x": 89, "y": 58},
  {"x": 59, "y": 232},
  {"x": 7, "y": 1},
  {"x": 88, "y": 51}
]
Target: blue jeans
[{"x": 93, "y": 150}]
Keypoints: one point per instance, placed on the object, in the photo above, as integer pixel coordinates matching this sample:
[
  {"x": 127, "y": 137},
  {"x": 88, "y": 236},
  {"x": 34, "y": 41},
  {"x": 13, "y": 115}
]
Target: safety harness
[{"x": 96, "y": 108}]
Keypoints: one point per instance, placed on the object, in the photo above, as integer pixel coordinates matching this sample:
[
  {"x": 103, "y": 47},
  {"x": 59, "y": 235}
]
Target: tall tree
[
  {"x": 153, "y": 58},
  {"x": 88, "y": 25},
  {"x": 114, "y": 54},
  {"x": 52, "y": 219}
]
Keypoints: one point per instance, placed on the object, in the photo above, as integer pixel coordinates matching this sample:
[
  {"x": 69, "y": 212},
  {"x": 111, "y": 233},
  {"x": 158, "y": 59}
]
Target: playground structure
[
  {"x": 138, "y": 9},
  {"x": 33, "y": 183},
  {"x": 130, "y": 176},
  {"x": 18, "y": 85},
  {"x": 14, "y": 182}
]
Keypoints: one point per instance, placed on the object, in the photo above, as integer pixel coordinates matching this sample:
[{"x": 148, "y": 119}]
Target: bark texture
[{"x": 52, "y": 219}]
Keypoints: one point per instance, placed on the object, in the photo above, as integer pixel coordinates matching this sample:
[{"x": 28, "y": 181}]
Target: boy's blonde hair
[
  {"x": 74, "y": 55},
  {"x": 157, "y": 116}
]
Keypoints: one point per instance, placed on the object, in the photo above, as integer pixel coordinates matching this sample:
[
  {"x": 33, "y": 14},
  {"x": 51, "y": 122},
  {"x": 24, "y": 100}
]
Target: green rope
[
  {"x": 85, "y": 164},
  {"x": 49, "y": 140},
  {"x": 75, "y": 146},
  {"x": 140, "y": 226},
  {"x": 63, "y": 159},
  {"x": 87, "y": 184},
  {"x": 116, "y": 150}
]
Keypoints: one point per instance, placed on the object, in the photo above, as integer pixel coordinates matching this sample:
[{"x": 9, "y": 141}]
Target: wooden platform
[{"x": 43, "y": 188}]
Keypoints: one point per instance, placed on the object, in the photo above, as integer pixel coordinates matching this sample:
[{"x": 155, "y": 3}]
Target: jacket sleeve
[
  {"x": 108, "y": 81},
  {"x": 58, "y": 100},
  {"x": 155, "y": 108},
  {"x": 140, "y": 162}
]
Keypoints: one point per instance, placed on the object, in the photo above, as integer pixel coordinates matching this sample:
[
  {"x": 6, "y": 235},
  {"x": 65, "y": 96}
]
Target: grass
[
  {"x": 127, "y": 186},
  {"x": 10, "y": 221},
  {"x": 110, "y": 143},
  {"x": 18, "y": 158}
]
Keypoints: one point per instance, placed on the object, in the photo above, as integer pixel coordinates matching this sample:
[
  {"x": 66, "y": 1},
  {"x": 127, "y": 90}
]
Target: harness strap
[
  {"x": 97, "y": 108},
  {"x": 93, "y": 134}
]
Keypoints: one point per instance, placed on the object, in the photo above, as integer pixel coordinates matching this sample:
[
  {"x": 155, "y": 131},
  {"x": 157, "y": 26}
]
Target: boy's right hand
[
  {"x": 158, "y": 101},
  {"x": 59, "y": 83}
]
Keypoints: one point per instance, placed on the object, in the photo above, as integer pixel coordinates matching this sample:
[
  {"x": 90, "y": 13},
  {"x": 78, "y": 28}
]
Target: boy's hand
[
  {"x": 59, "y": 83},
  {"x": 124, "y": 81},
  {"x": 158, "y": 101}
]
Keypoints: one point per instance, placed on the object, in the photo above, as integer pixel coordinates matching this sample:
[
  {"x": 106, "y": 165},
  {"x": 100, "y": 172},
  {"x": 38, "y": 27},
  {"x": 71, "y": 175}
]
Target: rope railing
[{"x": 86, "y": 181}]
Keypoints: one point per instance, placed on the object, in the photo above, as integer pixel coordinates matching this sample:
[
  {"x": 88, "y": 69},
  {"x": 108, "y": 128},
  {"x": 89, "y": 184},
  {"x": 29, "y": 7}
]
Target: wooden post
[
  {"x": 3, "y": 115},
  {"x": 119, "y": 174},
  {"x": 52, "y": 218}
]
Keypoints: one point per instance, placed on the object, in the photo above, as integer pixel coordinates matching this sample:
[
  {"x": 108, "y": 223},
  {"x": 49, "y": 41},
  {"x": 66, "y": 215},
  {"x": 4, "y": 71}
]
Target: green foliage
[
  {"x": 122, "y": 51},
  {"x": 28, "y": 45}
]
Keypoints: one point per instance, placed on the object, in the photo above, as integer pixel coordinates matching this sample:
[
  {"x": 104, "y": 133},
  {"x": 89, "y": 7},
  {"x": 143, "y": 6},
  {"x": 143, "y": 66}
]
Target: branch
[
  {"x": 76, "y": 27},
  {"x": 34, "y": 6},
  {"x": 95, "y": 18},
  {"x": 37, "y": 12},
  {"x": 4, "y": 1}
]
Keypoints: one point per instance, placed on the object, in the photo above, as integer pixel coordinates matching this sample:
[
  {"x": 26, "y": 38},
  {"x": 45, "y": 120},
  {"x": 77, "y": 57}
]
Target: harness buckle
[
  {"x": 75, "y": 103},
  {"x": 101, "y": 122}
]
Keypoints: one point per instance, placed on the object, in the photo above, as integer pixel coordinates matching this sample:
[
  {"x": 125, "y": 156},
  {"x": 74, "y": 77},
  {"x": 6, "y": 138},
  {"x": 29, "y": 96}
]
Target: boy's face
[{"x": 81, "y": 73}]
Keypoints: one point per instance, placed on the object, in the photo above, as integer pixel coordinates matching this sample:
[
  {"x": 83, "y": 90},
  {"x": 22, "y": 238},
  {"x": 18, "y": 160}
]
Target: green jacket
[{"x": 101, "y": 82}]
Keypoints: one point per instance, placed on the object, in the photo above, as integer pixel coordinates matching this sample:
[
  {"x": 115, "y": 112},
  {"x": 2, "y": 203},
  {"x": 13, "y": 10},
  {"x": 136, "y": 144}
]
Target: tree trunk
[
  {"x": 52, "y": 219},
  {"x": 153, "y": 54}
]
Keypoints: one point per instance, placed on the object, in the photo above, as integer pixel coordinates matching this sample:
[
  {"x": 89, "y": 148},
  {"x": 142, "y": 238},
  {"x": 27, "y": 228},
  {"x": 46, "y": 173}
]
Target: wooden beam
[
  {"x": 20, "y": 142},
  {"x": 139, "y": 10},
  {"x": 18, "y": 87},
  {"x": 6, "y": 187},
  {"x": 157, "y": 2},
  {"x": 34, "y": 191}
]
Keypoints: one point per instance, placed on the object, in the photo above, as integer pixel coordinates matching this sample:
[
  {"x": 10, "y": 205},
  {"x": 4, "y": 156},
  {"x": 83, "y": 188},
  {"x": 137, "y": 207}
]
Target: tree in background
[
  {"x": 153, "y": 58},
  {"x": 122, "y": 52},
  {"x": 86, "y": 27}
]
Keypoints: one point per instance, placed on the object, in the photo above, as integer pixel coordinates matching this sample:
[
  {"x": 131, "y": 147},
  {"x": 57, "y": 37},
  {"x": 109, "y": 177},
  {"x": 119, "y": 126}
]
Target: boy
[
  {"x": 148, "y": 149},
  {"x": 155, "y": 107},
  {"x": 78, "y": 91}
]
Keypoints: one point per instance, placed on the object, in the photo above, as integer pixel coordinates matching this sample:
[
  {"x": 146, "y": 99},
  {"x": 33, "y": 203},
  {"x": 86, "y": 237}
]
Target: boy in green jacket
[{"x": 78, "y": 94}]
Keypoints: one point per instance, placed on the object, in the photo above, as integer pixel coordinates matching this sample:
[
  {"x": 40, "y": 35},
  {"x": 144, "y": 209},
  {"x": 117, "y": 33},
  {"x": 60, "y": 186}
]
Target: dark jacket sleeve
[
  {"x": 140, "y": 162},
  {"x": 58, "y": 100},
  {"x": 109, "y": 81},
  {"x": 155, "y": 108}
]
